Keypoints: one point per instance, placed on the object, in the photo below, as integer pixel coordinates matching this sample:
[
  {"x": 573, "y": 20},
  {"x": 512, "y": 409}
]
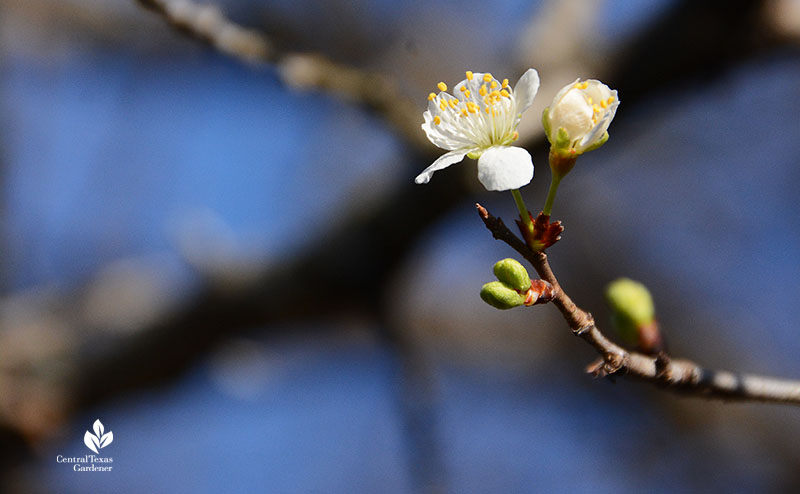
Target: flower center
[{"x": 482, "y": 109}]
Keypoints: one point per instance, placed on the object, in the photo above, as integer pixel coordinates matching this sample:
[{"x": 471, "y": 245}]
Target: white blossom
[
  {"x": 480, "y": 120},
  {"x": 584, "y": 111}
]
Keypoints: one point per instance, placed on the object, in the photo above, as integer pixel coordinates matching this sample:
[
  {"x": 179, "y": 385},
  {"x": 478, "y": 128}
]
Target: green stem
[
  {"x": 551, "y": 195},
  {"x": 523, "y": 209}
]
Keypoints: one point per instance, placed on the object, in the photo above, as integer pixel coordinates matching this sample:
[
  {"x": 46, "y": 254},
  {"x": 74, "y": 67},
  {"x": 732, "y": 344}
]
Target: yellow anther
[
  {"x": 464, "y": 113},
  {"x": 581, "y": 85},
  {"x": 505, "y": 83},
  {"x": 469, "y": 75},
  {"x": 487, "y": 77},
  {"x": 589, "y": 100},
  {"x": 467, "y": 93},
  {"x": 482, "y": 90},
  {"x": 495, "y": 94},
  {"x": 437, "y": 120},
  {"x": 471, "y": 107},
  {"x": 610, "y": 100},
  {"x": 431, "y": 97},
  {"x": 487, "y": 110},
  {"x": 505, "y": 94},
  {"x": 443, "y": 105},
  {"x": 462, "y": 88},
  {"x": 596, "y": 109},
  {"x": 493, "y": 84},
  {"x": 453, "y": 103},
  {"x": 442, "y": 86},
  {"x": 604, "y": 103}
]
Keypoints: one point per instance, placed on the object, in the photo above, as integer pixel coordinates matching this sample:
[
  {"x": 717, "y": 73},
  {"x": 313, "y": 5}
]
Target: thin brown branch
[
  {"x": 677, "y": 375},
  {"x": 377, "y": 93}
]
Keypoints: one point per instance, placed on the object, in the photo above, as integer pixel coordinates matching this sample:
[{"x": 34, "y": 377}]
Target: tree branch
[{"x": 681, "y": 376}]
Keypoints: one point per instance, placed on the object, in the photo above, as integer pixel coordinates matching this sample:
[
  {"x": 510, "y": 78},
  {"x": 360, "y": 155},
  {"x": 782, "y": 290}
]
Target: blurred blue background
[{"x": 139, "y": 164}]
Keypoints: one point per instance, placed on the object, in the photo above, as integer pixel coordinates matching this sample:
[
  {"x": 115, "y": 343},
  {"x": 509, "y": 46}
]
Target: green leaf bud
[
  {"x": 632, "y": 307},
  {"x": 513, "y": 274},
  {"x": 500, "y": 296}
]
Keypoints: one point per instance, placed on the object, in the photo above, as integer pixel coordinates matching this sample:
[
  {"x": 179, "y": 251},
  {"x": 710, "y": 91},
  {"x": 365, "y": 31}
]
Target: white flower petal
[
  {"x": 602, "y": 125},
  {"x": 573, "y": 113},
  {"x": 562, "y": 92},
  {"x": 441, "y": 163},
  {"x": 526, "y": 89},
  {"x": 505, "y": 168},
  {"x": 598, "y": 91}
]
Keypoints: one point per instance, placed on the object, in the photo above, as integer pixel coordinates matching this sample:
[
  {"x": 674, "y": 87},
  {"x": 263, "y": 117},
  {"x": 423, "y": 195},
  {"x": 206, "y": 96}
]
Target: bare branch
[{"x": 676, "y": 375}]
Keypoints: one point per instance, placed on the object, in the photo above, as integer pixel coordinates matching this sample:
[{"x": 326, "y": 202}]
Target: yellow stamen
[
  {"x": 604, "y": 103},
  {"x": 482, "y": 90},
  {"x": 493, "y": 84},
  {"x": 464, "y": 113},
  {"x": 467, "y": 93},
  {"x": 505, "y": 83},
  {"x": 487, "y": 77},
  {"x": 505, "y": 94},
  {"x": 589, "y": 100},
  {"x": 437, "y": 120},
  {"x": 443, "y": 105},
  {"x": 581, "y": 85},
  {"x": 610, "y": 100},
  {"x": 442, "y": 86},
  {"x": 453, "y": 103},
  {"x": 596, "y": 109},
  {"x": 431, "y": 97},
  {"x": 469, "y": 75}
]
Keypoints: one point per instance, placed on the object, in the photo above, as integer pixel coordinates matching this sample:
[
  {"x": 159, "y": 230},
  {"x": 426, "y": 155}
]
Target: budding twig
[{"x": 682, "y": 376}]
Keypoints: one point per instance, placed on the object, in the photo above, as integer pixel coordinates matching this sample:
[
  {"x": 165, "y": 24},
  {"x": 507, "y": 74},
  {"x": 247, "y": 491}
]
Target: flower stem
[
  {"x": 551, "y": 195},
  {"x": 523, "y": 209}
]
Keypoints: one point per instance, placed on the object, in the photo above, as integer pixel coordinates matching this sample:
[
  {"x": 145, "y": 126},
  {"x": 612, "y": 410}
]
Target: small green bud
[
  {"x": 632, "y": 306},
  {"x": 501, "y": 296},
  {"x": 513, "y": 274}
]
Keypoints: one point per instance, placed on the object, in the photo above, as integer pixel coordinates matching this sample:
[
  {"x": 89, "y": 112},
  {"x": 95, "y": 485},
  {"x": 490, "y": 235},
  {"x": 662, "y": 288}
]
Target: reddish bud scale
[
  {"x": 544, "y": 233},
  {"x": 650, "y": 340},
  {"x": 540, "y": 292}
]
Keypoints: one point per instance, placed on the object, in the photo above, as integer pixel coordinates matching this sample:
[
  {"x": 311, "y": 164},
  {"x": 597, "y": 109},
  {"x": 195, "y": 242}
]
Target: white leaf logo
[{"x": 98, "y": 440}]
